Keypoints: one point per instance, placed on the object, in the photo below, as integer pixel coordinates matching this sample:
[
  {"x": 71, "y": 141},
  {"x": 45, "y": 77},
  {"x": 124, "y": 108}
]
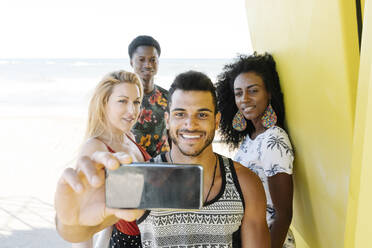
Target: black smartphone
[{"x": 155, "y": 185}]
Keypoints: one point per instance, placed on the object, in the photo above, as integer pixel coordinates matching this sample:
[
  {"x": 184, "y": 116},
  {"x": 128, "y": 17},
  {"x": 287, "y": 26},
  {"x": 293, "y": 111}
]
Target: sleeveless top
[
  {"x": 216, "y": 224},
  {"x": 125, "y": 227},
  {"x": 145, "y": 154}
]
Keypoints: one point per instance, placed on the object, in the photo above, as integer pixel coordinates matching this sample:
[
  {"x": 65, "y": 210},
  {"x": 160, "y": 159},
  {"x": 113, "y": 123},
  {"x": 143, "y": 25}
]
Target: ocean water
[{"x": 63, "y": 86}]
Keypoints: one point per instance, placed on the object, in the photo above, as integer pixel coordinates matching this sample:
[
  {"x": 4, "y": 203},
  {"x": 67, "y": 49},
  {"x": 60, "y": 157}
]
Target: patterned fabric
[
  {"x": 212, "y": 226},
  {"x": 121, "y": 240},
  {"x": 268, "y": 154},
  {"x": 150, "y": 131}
]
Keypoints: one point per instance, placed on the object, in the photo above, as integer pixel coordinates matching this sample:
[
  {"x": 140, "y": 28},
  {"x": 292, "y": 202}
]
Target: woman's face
[
  {"x": 251, "y": 96},
  {"x": 123, "y": 107}
]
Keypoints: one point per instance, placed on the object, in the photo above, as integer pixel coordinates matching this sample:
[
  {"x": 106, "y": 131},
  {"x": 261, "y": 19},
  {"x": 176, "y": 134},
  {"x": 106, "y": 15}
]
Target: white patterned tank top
[{"x": 217, "y": 224}]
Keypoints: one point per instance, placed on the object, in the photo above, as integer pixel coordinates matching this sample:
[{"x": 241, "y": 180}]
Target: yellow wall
[
  {"x": 315, "y": 44},
  {"x": 358, "y": 231}
]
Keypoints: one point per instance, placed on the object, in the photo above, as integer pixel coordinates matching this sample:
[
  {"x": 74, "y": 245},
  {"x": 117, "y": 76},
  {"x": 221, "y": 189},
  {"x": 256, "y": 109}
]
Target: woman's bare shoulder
[{"x": 91, "y": 146}]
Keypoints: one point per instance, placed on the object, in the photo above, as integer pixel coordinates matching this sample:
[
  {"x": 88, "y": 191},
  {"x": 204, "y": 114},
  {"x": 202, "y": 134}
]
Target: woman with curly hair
[{"x": 252, "y": 118}]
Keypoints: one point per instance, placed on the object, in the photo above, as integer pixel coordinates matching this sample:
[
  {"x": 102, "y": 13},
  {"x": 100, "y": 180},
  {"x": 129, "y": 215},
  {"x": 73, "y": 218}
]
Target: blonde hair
[{"x": 97, "y": 122}]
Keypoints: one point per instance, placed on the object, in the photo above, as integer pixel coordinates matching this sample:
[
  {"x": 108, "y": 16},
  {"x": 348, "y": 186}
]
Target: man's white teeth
[
  {"x": 190, "y": 136},
  {"x": 248, "y": 108}
]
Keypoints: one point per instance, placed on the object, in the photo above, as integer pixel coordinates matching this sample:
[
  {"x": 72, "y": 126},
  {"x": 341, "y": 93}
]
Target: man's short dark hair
[
  {"x": 143, "y": 40},
  {"x": 193, "y": 81}
]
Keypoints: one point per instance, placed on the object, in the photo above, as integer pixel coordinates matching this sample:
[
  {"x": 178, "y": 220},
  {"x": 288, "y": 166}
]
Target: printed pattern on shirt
[
  {"x": 268, "y": 154},
  {"x": 150, "y": 130},
  {"x": 211, "y": 226}
]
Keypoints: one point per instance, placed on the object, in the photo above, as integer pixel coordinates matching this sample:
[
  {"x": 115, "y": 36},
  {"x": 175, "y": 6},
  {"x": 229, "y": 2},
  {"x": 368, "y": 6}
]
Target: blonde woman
[{"x": 113, "y": 110}]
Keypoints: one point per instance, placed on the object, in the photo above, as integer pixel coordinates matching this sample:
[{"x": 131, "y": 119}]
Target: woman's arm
[
  {"x": 281, "y": 192},
  {"x": 277, "y": 161},
  {"x": 79, "y": 198}
]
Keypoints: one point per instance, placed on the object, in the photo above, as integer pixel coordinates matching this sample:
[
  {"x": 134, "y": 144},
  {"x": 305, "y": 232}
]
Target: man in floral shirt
[{"x": 150, "y": 130}]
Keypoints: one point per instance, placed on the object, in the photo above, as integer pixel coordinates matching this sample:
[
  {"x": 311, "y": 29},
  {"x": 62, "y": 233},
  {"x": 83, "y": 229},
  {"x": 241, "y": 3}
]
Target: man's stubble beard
[{"x": 196, "y": 153}]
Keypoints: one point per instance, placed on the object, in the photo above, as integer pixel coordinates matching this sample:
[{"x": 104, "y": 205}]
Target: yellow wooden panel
[
  {"x": 358, "y": 231},
  {"x": 315, "y": 44},
  {"x": 300, "y": 242}
]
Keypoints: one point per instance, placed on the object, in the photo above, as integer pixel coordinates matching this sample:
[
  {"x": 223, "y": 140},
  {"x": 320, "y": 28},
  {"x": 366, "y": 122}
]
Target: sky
[{"x": 104, "y": 28}]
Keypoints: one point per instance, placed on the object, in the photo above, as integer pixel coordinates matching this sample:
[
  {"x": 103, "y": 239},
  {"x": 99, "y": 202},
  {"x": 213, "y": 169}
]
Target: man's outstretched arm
[{"x": 254, "y": 230}]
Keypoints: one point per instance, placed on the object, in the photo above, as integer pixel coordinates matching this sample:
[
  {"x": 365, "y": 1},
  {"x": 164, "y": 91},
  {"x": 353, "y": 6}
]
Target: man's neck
[
  {"x": 205, "y": 159},
  {"x": 148, "y": 85}
]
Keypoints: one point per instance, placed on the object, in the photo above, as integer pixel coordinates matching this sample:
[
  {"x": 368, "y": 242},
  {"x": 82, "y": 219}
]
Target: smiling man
[
  {"x": 233, "y": 199},
  {"x": 234, "y": 203},
  {"x": 150, "y": 132}
]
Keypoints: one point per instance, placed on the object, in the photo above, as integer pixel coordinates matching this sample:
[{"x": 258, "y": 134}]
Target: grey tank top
[{"x": 217, "y": 224}]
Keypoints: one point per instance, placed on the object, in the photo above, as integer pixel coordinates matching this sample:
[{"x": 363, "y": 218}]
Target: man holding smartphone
[{"x": 234, "y": 204}]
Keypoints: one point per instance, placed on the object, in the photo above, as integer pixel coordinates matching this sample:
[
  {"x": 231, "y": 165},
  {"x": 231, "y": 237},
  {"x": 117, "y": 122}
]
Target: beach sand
[{"x": 34, "y": 151}]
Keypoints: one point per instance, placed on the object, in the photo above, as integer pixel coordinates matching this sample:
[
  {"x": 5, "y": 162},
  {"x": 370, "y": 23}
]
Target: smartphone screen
[{"x": 155, "y": 185}]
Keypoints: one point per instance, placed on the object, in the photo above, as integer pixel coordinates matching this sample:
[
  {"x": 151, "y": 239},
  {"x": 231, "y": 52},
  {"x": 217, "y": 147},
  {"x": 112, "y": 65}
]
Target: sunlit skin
[
  {"x": 145, "y": 61},
  {"x": 121, "y": 113},
  {"x": 191, "y": 122},
  {"x": 123, "y": 107},
  {"x": 251, "y": 98}
]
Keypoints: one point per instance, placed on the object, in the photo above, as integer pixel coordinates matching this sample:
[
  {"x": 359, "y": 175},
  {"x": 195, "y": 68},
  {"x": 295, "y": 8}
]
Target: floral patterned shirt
[
  {"x": 268, "y": 154},
  {"x": 150, "y": 131}
]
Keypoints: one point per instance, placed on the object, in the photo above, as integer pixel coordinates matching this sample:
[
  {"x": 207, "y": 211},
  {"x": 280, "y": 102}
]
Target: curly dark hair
[{"x": 264, "y": 66}]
